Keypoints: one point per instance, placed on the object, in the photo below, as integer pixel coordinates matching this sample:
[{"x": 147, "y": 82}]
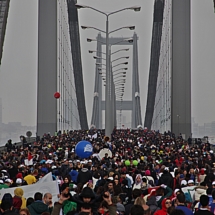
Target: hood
[
  {"x": 18, "y": 192},
  {"x": 87, "y": 193},
  {"x": 39, "y": 207},
  {"x": 163, "y": 204},
  {"x": 7, "y": 197},
  {"x": 84, "y": 170}
]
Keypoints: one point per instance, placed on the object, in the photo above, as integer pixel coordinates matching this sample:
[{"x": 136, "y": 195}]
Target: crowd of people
[{"x": 146, "y": 173}]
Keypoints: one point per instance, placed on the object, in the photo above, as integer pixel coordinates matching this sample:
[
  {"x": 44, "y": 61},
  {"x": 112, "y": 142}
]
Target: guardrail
[{"x": 28, "y": 139}]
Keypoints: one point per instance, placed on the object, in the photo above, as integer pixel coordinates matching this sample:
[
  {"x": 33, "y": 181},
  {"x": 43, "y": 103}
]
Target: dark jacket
[
  {"x": 87, "y": 193},
  {"x": 152, "y": 204},
  {"x": 37, "y": 208},
  {"x": 166, "y": 179},
  {"x": 10, "y": 212},
  {"x": 74, "y": 174},
  {"x": 84, "y": 176}
]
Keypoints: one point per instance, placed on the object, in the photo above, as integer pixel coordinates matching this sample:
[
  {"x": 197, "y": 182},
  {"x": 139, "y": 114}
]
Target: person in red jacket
[{"x": 166, "y": 203}]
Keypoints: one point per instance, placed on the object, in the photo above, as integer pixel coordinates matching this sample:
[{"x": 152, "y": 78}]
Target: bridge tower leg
[
  {"x": 136, "y": 109},
  {"x": 47, "y": 67},
  {"x": 97, "y": 110}
]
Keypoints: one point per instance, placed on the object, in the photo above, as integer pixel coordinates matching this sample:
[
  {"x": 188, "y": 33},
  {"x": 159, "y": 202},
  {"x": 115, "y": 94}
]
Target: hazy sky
[{"x": 18, "y": 74}]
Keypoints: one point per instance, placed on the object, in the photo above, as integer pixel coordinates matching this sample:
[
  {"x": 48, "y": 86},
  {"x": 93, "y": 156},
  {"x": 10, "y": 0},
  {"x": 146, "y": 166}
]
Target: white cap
[
  {"x": 89, "y": 161},
  {"x": 211, "y": 151},
  {"x": 166, "y": 168},
  {"x": 70, "y": 161},
  {"x": 8, "y": 181},
  {"x": 77, "y": 161},
  {"x": 49, "y": 161},
  {"x": 213, "y": 183},
  {"x": 176, "y": 190},
  {"x": 110, "y": 178},
  {"x": 82, "y": 162},
  {"x": 18, "y": 181},
  {"x": 54, "y": 167},
  {"x": 183, "y": 182},
  {"x": 1, "y": 182},
  {"x": 190, "y": 182}
]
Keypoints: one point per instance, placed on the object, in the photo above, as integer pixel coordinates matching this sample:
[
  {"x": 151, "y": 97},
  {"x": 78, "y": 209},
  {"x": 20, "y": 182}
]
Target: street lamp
[
  {"x": 100, "y": 64},
  {"x": 119, "y": 73},
  {"x": 120, "y": 69},
  {"x": 120, "y": 64},
  {"x": 108, "y": 90},
  {"x": 130, "y": 40},
  {"x": 91, "y": 27},
  {"x": 120, "y": 58},
  {"x": 93, "y": 51},
  {"x": 96, "y": 57},
  {"x": 120, "y": 50},
  {"x": 119, "y": 81}
]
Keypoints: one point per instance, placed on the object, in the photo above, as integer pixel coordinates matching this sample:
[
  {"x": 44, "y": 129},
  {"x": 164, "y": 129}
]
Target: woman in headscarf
[
  {"x": 138, "y": 182},
  {"x": 18, "y": 200}
]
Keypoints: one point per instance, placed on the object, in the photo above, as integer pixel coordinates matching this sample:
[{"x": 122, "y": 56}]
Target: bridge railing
[{"x": 28, "y": 139}]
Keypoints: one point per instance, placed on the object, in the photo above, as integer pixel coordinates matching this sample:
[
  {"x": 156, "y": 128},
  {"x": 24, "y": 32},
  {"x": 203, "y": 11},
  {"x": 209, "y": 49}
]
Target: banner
[
  {"x": 46, "y": 178},
  {"x": 30, "y": 190},
  {"x": 28, "y": 162}
]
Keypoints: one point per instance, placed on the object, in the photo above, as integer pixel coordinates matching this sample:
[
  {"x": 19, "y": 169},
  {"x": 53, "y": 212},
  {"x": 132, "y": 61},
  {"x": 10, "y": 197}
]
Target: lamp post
[
  {"x": 92, "y": 51},
  {"x": 109, "y": 78}
]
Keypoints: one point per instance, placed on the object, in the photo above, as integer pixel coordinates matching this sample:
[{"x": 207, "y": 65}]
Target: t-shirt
[
  {"x": 30, "y": 179},
  {"x": 212, "y": 208},
  {"x": 203, "y": 212},
  {"x": 3, "y": 186},
  {"x": 186, "y": 210}
]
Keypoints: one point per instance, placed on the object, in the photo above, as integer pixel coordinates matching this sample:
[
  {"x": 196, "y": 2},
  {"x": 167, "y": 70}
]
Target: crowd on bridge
[{"x": 144, "y": 172}]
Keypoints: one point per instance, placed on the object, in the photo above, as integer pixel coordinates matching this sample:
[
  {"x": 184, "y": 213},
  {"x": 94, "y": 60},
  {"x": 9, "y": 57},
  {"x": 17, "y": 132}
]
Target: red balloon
[{"x": 57, "y": 95}]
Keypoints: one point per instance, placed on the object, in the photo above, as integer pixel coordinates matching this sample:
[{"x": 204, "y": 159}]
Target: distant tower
[
  {"x": 0, "y": 118},
  {"x": 169, "y": 103},
  {"x": 4, "y": 8},
  {"x": 56, "y": 70}
]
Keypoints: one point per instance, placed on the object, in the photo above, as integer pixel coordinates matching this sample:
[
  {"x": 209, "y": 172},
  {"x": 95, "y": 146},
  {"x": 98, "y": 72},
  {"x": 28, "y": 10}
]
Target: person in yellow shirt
[{"x": 31, "y": 178}]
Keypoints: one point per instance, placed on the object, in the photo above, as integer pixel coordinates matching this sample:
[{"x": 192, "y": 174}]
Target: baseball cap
[
  {"x": 190, "y": 182},
  {"x": 183, "y": 182},
  {"x": 213, "y": 183},
  {"x": 18, "y": 181},
  {"x": 8, "y": 181}
]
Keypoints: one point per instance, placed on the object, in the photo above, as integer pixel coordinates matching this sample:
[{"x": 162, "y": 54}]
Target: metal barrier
[{"x": 28, "y": 139}]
